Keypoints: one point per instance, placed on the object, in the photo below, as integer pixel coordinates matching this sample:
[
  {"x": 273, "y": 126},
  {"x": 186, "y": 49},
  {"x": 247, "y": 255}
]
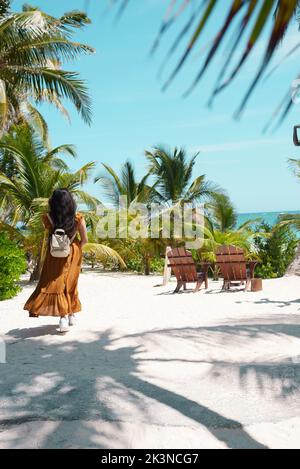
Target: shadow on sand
[{"x": 46, "y": 389}]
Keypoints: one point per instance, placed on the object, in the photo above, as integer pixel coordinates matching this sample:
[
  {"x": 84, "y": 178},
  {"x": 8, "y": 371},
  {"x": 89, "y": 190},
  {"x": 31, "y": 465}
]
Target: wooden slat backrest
[
  {"x": 232, "y": 263},
  {"x": 183, "y": 265}
]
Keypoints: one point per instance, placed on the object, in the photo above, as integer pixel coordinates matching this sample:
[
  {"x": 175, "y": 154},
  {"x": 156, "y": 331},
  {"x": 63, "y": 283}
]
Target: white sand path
[{"x": 147, "y": 369}]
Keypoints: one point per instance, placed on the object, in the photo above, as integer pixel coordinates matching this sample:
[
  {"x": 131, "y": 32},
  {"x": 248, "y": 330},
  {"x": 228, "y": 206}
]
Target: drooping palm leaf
[
  {"x": 248, "y": 19},
  {"x": 222, "y": 213},
  {"x": 104, "y": 253},
  {"x": 33, "y": 45}
]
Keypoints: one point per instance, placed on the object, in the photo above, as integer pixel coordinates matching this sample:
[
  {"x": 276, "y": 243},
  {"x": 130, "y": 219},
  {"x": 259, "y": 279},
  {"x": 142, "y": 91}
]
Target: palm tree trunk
[
  {"x": 35, "y": 276},
  {"x": 147, "y": 264}
]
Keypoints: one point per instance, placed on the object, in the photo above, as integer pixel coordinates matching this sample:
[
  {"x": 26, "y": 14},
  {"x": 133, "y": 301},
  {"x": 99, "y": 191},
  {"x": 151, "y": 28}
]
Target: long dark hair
[{"x": 62, "y": 210}]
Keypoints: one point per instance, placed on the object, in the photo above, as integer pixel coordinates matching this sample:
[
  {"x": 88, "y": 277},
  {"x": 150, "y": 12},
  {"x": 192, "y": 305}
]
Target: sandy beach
[{"x": 147, "y": 369}]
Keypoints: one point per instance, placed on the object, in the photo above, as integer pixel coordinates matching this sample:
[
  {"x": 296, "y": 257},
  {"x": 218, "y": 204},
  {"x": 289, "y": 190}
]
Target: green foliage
[
  {"x": 173, "y": 174},
  {"x": 135, "y": 262},
  {"x": 276, "y": 250},
  {"x": 34, "y": 172},
  {"x": 33, "y": 47},
  {"x": 124, "y": 184},
  {"x": 139, "y": 255},
  {"x": 242, "y": 238},
  {"x": 95, "y": 253},
  {"x": 222, "y": 213},
  {"x": 157, "y": 265},
  {"x": 12, "y": 265},
  {"x": 4, "y": 7}
]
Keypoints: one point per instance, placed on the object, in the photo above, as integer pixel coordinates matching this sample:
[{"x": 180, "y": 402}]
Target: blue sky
[{"x": 131, "y": 114}]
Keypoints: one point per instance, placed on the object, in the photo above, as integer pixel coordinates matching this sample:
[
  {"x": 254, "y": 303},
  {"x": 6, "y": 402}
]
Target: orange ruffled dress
[{"x": 56, "y": 293}]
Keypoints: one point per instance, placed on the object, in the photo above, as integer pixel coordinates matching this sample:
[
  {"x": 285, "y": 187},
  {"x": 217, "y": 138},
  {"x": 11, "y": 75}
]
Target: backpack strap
[{"x": 71, "y": 239}]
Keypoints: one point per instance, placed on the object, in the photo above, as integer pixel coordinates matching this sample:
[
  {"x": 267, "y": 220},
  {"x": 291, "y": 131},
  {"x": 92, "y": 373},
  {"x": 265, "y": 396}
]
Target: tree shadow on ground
[
  {"x": 282, "y": 376},
  {"x": 267, "y": 301},
  {"x": 89, "y": 381},
  {"x": 31, "y": 332}
]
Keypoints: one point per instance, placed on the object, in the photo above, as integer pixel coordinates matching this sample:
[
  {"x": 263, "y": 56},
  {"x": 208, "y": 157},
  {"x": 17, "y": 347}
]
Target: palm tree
[
  {"x": 173, "y": 171},
  {"x": 124, "y": 184},
  {"x": 29, "y": 171},
  {"x": 244, "y": 22},
  {"x": 25, "y": 190},
  {"x": 33, "y": 44},
  {"x": 222, "y": 213}
]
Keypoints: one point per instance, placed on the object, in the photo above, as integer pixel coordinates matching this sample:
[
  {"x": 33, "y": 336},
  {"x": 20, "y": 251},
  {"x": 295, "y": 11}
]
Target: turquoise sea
[{"x": 268, "y": 217}]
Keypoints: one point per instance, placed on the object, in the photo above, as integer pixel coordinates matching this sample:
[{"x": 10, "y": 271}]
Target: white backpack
[{"x": 60, "y": 243}]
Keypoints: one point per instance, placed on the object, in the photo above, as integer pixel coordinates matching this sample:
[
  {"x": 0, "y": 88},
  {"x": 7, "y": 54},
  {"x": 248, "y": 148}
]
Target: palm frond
[
  {"x": 62, "y": 83},
  {"x": 104, "y": 253},
  {"x": 248, "y": 19},
  {"x": 32, "y": 45},
  {"x": 37, "y": 121}
]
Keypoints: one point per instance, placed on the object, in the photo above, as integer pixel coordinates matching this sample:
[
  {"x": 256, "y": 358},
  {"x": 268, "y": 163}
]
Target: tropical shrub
[
  {"x": 136, "y": 263},
  {"x": 276, "y": 250},
  {"x": 157, "y": 265},
  {"x": 12, "y": 265}
]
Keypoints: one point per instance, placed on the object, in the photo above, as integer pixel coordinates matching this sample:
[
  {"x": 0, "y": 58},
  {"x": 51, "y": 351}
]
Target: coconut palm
[
  {"x": 33, "y": 44},
  {"x": 222, "y": 213},
  {"x": 244, "y": 22},
  {"x": 29, "y": 171},
  {"x": 173, "y": 172},
  {"x": 124, "y": 184},
  {"x": 35, "y": 174}
]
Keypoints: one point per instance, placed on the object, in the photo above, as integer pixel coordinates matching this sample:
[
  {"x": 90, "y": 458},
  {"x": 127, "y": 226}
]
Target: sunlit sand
[{"x": 145, "y": 368}]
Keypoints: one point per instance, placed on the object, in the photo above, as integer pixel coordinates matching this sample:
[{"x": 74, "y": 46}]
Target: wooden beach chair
[
  {"x": 184, "y": 268},
  {"x": 234, "y": 267}
]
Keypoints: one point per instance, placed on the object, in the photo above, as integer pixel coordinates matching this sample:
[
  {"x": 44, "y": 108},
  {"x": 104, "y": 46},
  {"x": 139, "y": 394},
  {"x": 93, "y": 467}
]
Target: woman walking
[{"x": 56, "y": 293}]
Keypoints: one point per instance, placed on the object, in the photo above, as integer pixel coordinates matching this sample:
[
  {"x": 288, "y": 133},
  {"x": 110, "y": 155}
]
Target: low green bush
[
  {"x": 12, "y": 265},
  {"x": 276, "y": 250},
  {"x": 157, "y": 265}
]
